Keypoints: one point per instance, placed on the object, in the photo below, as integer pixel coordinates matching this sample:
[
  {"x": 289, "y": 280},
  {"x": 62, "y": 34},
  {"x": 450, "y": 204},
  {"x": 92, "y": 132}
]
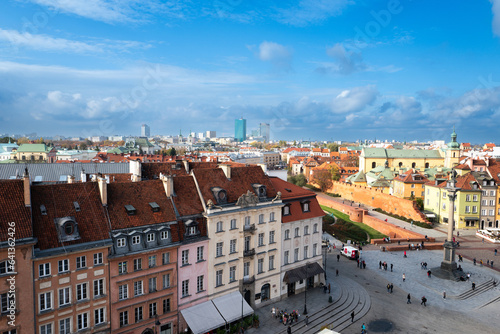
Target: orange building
[{"x": 409, "y": 184}]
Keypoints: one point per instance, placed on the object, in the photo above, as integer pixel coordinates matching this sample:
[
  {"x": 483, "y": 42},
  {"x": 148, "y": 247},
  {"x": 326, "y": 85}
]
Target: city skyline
[{"x": 312, "y": 69}]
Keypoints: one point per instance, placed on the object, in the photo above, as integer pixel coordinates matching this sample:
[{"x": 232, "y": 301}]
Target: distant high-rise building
[
  {"x": 145, "y": 130},
  {"x": 240, "y": 129},
  {"x": 264, "y": 131},
  {"x": 211, "y": 134}
]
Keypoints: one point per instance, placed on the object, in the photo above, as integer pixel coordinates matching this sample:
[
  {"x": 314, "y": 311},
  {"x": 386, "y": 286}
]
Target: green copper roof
[
  {"x": 33, "y": 148},
  {"x": 453, "y": 145},
  {"x": 358, "y": 177},
  {"x": 375, "y": 152}
]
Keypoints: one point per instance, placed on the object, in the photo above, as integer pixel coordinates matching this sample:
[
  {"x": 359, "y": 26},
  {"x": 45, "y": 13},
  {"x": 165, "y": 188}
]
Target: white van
[{"x": 350, "y": 252}]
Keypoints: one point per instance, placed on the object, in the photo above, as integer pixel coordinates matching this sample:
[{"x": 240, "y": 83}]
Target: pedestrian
[
  {"x": 336, "y": 272},
  {"x": 273, "y": 311},
  {"x": 404, "y": 277},
  {"x": 388, "y": 287},
  {"x": 474, "y": 260},
  {"x": 352, "y": 316},
  {"x": 338, "y": 257},
  {"x": 405, "y": 252},
  {"x": 488, "y": 263},
  {"x": 392, "y": 286},
  {"x": 307, "y": 320},
  {"x": 481, "y": 262},
  {"x": 473, "y": 286},
  {"x": 329, "y": 290},
  {"x": 408, "y": 299},
  {"x": 444, "y": 294},
  {"x": 391, "y": 267},
  {"x": 429, "y": 273},
  {"x": 495, "y": 252},
  {"x": 491, "y": 263},
  {"x": 424, "y": 300},
  {"x": 379, "y": 264},
  {"x": 289, "y": 330},
  {"x": 412, "y": 223},
  {"x": 458, "y": 234},
  {"x": 364, "y": 264}
]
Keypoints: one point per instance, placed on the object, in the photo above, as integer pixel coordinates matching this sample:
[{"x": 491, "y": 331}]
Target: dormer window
[
  {"x": 121, "y": 242},
  {"x": 165, "y": 235},
  {"x": 151, "y": 237},
  {"x": 154, "y": 206},
  {"x": 286, "y": 210},
  {"x": 191, "y": 228},
  {"x": 220, "y": 195},
  {"x": 43, "y": 210},
  {"x": 69, "y": 228},
  {"x": 130, "y": 210},
  {"x": 305, "y": 206},
  {"x": 136, "y": 239},
  {"x": 77, "y": 206},
  {"x": 260, "y": 190}
]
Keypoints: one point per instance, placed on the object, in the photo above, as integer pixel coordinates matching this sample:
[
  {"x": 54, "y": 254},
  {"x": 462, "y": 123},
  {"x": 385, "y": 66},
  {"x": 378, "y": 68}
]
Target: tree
[
  {"x": 172, "y": 152},
  {"x": 83, "y": 146},
  {"x": 323, "y": 178},
  {"x": 335, "y": 172},
  {"x": 333, "y": 147},
  {"x": 299, "y": 180},
  {"x": 23, "y": 140},
  {"x": 6, "y": 140}
]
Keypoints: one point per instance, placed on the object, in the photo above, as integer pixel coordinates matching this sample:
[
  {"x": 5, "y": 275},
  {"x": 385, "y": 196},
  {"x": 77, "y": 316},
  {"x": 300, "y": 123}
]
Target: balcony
[
  {"x": 248, "y": 279},
  {"x": 249, "y": 252},
  {"x": 249, "y": 228}
]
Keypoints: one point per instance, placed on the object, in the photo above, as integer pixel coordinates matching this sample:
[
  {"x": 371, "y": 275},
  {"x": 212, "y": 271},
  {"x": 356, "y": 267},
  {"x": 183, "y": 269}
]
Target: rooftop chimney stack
[
  {"x": 27, "y": 190},
  {"x": 168, "y": 184},
  {"x": 103, "y": 190},
  {"x": 71, "y": 179},
  {"x": 227, "y": 170}
]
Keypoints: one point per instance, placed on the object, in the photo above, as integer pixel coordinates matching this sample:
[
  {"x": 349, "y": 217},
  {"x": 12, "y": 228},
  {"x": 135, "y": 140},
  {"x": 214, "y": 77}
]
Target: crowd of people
[{"x": 284, "y": 317}]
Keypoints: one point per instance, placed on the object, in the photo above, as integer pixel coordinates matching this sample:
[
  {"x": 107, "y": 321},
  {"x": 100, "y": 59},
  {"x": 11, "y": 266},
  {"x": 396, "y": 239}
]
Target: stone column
[{"x": 449, "y": 247}]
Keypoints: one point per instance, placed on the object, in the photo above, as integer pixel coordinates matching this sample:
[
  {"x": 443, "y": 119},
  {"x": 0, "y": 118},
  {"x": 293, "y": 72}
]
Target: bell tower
[{"x": 452, "y": 154}]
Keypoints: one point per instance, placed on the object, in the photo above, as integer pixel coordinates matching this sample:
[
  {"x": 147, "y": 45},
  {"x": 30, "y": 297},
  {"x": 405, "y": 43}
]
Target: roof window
[
  {"x": 154, "y": 206},
  {"x": 130, "y": 210}
]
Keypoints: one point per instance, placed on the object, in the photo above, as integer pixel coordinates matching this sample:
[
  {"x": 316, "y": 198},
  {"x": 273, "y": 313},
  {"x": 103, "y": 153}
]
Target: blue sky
[{"x": 313, "y": 69}]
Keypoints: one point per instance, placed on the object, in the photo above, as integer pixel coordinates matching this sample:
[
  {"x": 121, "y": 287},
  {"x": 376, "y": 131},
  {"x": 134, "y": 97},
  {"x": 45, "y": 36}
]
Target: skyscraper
[
  {"x": 240, "y": 129},
  {"x": 145, "y": 130},
  {"x": 264, "y": 131}
]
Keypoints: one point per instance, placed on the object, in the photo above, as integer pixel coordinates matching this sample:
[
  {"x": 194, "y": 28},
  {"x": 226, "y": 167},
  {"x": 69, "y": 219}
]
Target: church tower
[{"x": 452, "y": 154}]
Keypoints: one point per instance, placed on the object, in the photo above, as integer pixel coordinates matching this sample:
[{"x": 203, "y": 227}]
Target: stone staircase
[
  {"x": 337, "y": 315},
  {"x": 480, "y": 288}
]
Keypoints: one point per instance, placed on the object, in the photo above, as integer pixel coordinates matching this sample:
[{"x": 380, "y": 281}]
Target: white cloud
[
  {"x": 495, "y": 8},
  {"x": 347, "y": 61},
  {"x": 354, "y": 100},
  {"x": 311, "y": 11},
  {"x": 277, "y": 54}
]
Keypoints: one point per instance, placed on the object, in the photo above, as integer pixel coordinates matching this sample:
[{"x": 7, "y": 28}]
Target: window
[
  {"x": 483, "y": 212},
  {"x": 192, "y": 230},
  {"x": 297, "y": 232},
  {"x": 492, "y": 192},
  {"x": 122, "y": 267},
  {"x": 271, "y": 237},
  {"x": 261, "y": 239},
  {"x": 82, "y": 320},
  {"x": 123, "y": 318},
  {"x": 474, "y": 198},
  {"x": 271, "y": 217},
  {"x": 247, "y": 243},
  {"x": 296, "y": 255},
  {"x": 444, "y": 194},
  {"x": 152, "y": 284},
  {"x": 412, "y": 193},
  {"x": 305, "y": 206},
  {"x": 492, "y": 202},
  {"x": 151, "y": 237},
  {"x": 199, "y": 283},
  {"x": 306, "y": 230},
  {"x": 218, "y": 249},
  {"x": 45, "y": 301},
  {"x": 271, "y": 262},
  {"x": 315, "y": 249},
  {"x": 286, "y": 210},
  {"x": 287, "y": 234},
  {"x": 63, "y": 266},
  {"x": 247, "y": 221},
  {"x": 5, "y": 301},
  {"x": 166, "y": 305},
  {"x": 467, "y": 208},
  {"x": 246, "y": 269},
  {"x": 64, "y": 296},
  {"x": 44, "y": 329},
  {"x": 137, "y": 264},
  {"x": 123, "y": 292},
  {"x": 152, "y": 310},
  {"x": 232, "y": 246},
  {"x": 484, "y": 202},
  {"x": 65, "y": 326},
  {"x": 138, "y": 314},
  {"x": 44, "y": 269},
  {"x": 166, "y": 258},
  {"x": 99, "y": 316},
  {"x": 138, "y": 288},
  {"x": 121, "y": 242},
  {"x": 306, "y": 249},
  {"x": 199, "y": 253},
  {"x": 166, "y": 281},
  {"x": 232, "y": 274},
  {"x": 185, "y": 288},
  {"x": 491, "y": 212},
  {"x": 233, "y": 224},
  {"x": 260, "y": 266},
  {"x": 152, "y": 261},
  {"x": 81, "y": 291},
  {"x": 474, "y": 209},
  {"x": 99, "y": 287},
  {"x": 444, "y": 206},
  {"x": 164, "y": 235},
  {"x": 185, "y": 257},
  {"x": 136, "y": 239},
  {"x": 81, "y": 262},
  {"x": 285, "y": 260},
  {"x": 261, "y": 218},
  {"x": 218, "y": 278},
  {"x": 219, "y": 226},
  {"x": 98, "y": 259}
]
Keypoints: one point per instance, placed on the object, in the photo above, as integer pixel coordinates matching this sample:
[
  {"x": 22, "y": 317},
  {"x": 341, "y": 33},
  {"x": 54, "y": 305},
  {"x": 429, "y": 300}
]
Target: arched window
[
  {"x": 426, "y": 165},
  {"x": 374, "y": 164},
  {"x": 413, "y": 164},
  {"x": 265, "y": 292},
  {"x": 454, "y": 154},
  {"x": 400, "y": 164}
]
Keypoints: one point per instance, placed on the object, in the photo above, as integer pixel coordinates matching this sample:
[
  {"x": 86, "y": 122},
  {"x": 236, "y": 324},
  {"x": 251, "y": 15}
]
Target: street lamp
[
  {"x": 324, "y": 266},
  {"x": 305, "y": 294},
  {"x": 157, "y": 323}
]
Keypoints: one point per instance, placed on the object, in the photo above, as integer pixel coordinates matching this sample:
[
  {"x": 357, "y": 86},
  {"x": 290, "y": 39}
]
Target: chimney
[
  {"x": 135, "y": 168},
  {"x": 103, "y": 190},
  {"x": 186, "y": 165},
  {"x": 227, "y": 170},
  {"x": 83, "y": 176},
  {"x": 71, "y": 179},
  {"x": 168, "y": 184},
  {"x": 27, "y": 190},
  {"x": 136, "y": 178}
]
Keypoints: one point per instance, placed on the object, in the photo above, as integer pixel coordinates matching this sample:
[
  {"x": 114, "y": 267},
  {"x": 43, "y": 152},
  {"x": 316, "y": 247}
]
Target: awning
[
  {"x": 471, "y": 218},
  {"x": 215, "y": 313},
  {"x": 303, "y": 272},
  {"x": 430, "y": 215}
]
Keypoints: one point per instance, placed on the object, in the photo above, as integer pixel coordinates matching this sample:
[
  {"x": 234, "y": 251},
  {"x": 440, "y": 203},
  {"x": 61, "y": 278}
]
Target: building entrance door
[{"x": 291, "y": 288}]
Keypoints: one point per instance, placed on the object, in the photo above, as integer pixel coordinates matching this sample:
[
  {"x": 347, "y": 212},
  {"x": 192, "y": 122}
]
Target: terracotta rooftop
[
  {"x": 186, "y": 199},
  {"x": 463, "y": 182},
  {"x": 14, "y": 210},
  {"x": 139, "y": 195},
  {"x": 411, "y": 176},
  {"x": 58, "y": 201}
]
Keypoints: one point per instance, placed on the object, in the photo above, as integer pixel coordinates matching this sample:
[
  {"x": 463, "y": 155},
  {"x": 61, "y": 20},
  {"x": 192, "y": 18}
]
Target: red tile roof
[
  {"x": 186, "y": 199},
  {"x": 139, "y": 195},
  {"x": 463, "y": 182},
  {"x": 240, "y": 182},
  {"x": 290, "y": 190},
  {"x": 58, "y": 200},
  {"x": 14, "y": 210},
  {"x": 410, "y": 177}
]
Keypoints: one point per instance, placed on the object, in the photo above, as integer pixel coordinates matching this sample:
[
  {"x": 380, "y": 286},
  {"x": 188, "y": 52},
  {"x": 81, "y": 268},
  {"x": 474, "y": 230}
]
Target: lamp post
[
  {"x": 305, "y": 293},
  {"x": 324, "y": 266},
  {"x": 157, "y": 323}
]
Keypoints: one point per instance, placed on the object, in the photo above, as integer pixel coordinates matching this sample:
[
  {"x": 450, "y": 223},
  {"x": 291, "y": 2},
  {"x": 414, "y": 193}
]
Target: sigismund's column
[{"x": 449, "y": 263}]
